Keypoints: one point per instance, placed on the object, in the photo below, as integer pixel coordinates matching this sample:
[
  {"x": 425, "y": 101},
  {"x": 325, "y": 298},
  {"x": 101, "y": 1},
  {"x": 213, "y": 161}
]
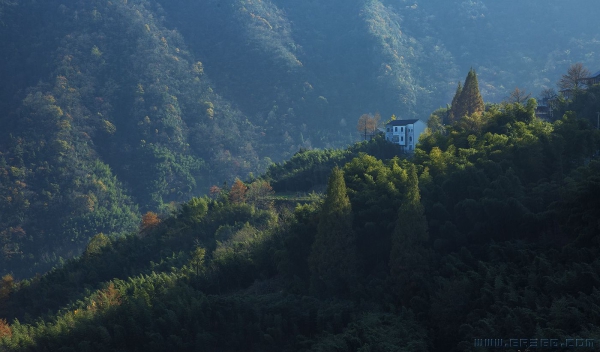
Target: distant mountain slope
[
  {"x": 116, "y": 88},
  {"x": 327, "y": 62},
  {"x": 330, "y": 62}
]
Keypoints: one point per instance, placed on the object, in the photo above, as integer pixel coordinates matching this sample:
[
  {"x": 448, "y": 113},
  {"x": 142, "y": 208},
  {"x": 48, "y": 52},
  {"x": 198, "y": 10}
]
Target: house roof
[
  {"x": 595, "y": 75},
  {"x": 401, "y": 122}
]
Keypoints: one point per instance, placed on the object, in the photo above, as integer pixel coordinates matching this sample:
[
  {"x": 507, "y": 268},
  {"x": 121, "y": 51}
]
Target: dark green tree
[
  {"x": 435, "y": 124},
  {"x": 333, "y": 259},
  {"x": 197, "y": 261},
  {"x": 471, "y": 97},
  {"x": 455, "y": 109},
  {"x": 409, "y": 259},
  {"x": 467, "y": 100}
]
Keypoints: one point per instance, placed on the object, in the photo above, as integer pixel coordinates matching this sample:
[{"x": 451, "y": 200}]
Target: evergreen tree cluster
[
  {"x": 333, "y": 258},
  {"x": 467, "y": 99}
]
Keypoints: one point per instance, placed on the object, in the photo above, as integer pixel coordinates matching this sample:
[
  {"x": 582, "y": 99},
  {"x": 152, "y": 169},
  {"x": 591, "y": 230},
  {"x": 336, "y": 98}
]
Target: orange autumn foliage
[
  {"x": 237, "y": 194},
  {"x": 7, "y": 285},
  {"x": 5, "y": 330},
  {"x": 106, "y": 298},
  {"x": 149, "y": 221},
  {"x": 214, "y": 191}
]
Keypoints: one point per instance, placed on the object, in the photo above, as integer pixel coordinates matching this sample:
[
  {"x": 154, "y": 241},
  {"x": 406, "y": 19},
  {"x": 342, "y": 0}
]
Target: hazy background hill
[
  {"x": 402, "y": 57},
  {"x": 113, "y": 108}
]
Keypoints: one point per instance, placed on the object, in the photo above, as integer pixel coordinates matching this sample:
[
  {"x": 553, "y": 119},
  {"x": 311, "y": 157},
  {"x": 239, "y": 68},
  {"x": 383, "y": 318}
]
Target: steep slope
[
  {"x": 117, "y": 89},
  {"x": 317, "y": 64},
  {"x": 393, "y": 56}
]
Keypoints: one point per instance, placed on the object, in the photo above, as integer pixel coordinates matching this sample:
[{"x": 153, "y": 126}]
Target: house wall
[
  {"x": 405, "y": 136},
  {"x": 419, "y": 129},
  {"x": 388, "y": 133},
  {"x": 396, "y": 134},
  {"x": 410, "y": 138}
]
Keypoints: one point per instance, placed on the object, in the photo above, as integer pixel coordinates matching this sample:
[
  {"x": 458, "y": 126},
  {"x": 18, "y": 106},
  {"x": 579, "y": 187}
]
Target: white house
[{"x": 405, "y": 133}]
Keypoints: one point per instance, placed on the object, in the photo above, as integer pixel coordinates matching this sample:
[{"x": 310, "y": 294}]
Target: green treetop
[
  {"x": 333, "y": 257},
  {"x": 456, "y": 109},
  {"x": 409, "y": 257},
  {"x": 467, "y": 100},
  {"x": 470, "y": 96}
]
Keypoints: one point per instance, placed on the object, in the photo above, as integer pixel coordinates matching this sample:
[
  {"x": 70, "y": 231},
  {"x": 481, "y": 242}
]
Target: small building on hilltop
[
  {"x": 405, "y": 133},
  {"x": 544, "y": 112},
  {"x": 593, "y": 79},
  {"x": 586, "y": 82}
]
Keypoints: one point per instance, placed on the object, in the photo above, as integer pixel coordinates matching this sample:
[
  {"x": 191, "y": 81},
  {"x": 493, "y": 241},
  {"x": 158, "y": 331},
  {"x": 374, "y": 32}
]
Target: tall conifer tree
[
  {"x": 333, "y": 259},
  {"x": 467, "y": 99},
  {"x": 409, "y": 259},
  {"x": 455, "y": 108},
  {"x": 471, "y": 99}
]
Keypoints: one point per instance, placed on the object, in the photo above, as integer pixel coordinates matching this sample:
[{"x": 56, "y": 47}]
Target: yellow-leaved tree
[{"x": 367, "y": 124}]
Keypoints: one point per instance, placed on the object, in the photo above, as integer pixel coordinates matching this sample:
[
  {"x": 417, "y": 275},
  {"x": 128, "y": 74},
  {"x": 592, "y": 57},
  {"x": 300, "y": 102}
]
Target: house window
[
  {"x": 395, "y": 129},
  {"x": 410, "y": 139},
  {"x": 401, "y": 129},
  {"x": 402, "y": 139}
]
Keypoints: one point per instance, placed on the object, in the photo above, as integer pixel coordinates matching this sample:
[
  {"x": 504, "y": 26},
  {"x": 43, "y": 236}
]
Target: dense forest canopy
[
  {"x": 185, "y": 175},
  {"x": 488, "y": 232}
]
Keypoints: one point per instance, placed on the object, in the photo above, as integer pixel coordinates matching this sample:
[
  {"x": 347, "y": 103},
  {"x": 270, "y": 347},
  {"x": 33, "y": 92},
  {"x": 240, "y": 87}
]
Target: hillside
[
  {"x": 489, "y": 231},
  {"x": 110, "y": 109}
]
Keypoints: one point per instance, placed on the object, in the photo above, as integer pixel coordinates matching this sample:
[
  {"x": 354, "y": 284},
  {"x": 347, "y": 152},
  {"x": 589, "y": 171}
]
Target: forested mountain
[
  {"x": 110, "y": 109},
  {"x": 490, "y": 231}
]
